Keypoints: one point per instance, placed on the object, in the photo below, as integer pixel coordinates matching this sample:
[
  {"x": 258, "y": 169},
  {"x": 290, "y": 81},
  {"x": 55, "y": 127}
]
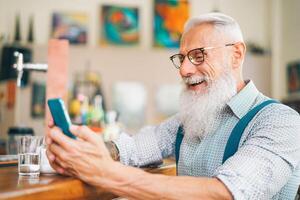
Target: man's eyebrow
[{"x": 186, "y": 51}]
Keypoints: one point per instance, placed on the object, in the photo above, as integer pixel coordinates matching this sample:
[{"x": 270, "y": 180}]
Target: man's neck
[{"x": 241, "y": 84}]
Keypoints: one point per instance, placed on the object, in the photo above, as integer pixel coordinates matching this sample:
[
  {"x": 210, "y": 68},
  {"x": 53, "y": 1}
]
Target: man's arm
[
  {"x": 134, "y": 183},
  {"x": 150, "y": 145},
  {"x": 267, "y": 157},
  {"x": 89, "y": 160}
]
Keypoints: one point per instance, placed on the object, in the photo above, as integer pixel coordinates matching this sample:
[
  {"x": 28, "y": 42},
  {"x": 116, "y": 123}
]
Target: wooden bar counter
[{"x": 13, "y": 186}]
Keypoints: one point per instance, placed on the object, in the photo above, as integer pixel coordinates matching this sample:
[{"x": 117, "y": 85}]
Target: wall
[
  {"x": 253, "y": 16},
  {"x": 152, "y": 68},
  {"x": 144, "y": 63},
  {"x": 285, "y": 42},
  {"x": 291, "y": 30},
  {"x": 290, "y": 36}
]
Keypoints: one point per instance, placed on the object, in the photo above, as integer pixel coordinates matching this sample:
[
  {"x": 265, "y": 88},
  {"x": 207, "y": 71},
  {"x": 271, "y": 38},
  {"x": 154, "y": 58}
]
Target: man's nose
[{"x": 187, "y": 68}]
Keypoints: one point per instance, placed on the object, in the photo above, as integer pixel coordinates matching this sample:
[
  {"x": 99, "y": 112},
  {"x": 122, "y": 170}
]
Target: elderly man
[{"x": 230, "y": 141}]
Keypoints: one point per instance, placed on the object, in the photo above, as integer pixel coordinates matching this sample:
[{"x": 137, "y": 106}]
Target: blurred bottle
[
  {"x": 98, "y": 114},
  {"x": 113, "y": 129},
  {"x": 87, "y": 101},
  {"x": 17, "y": 38},
  {"x": 85, "y": 111},
  {"x": 75, "y": 111},
  {"x": 30, "y": 37}
]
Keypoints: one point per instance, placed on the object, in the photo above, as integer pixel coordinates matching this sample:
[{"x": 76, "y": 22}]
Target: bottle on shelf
[{"x": 112, "y": 129}]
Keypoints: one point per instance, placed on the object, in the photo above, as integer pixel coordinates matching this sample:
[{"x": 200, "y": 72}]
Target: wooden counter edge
[
  {"x": 74, "y": 188},
  {"x": 69, "y": 189}
]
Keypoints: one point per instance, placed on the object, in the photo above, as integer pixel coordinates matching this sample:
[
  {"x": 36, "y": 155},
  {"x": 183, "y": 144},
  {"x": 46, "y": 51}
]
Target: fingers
[
  {"x": 67, "y": 173},
  {"x": 57, "y": 157},
  {"x": 64, "y": 170},
  {"x": 84, "y": 133},
  {"x": 57, "y": 168},
  {"x": 61, "y": 163},
  {"x": 48, "y": 140},
  {"x": 58, "y": 165},
  {"x": 57, "y": 152},
  {"x": 53, "y": 164},
  {"x": 50, "y": 156},
  {"x": 51, "y": 123},
  {"x": 57, "y": 136}
]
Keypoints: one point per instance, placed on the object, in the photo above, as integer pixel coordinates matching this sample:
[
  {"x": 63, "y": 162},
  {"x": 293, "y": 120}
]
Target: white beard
[{"x": 200, "y": 112}]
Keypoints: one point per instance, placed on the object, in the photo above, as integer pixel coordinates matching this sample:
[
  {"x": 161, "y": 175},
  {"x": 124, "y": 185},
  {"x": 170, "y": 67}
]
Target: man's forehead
[{"x": 199, "y": 36}]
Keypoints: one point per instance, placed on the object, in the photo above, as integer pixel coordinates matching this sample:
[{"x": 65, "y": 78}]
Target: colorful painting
[
  {"x": 293, "y": 77},
  {"x": 120, "y": 25},
  {"x": 169, "y": 19},
  {"x": 70, "y": 26}
]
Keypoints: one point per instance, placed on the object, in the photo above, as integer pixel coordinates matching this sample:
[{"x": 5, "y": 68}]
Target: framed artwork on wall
[
  {"x": 169, "y": 19},
  {"x": 120, "y": 25},
  {"x": 293, "y": 77},
  {"x": 71, "y": 26}
]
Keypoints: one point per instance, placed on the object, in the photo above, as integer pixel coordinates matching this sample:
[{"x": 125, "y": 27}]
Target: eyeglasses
[{"x": 195, "y": 56}]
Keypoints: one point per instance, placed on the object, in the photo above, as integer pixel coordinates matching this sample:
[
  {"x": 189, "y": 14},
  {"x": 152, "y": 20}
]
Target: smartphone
[{"x": 60, "y": 116}]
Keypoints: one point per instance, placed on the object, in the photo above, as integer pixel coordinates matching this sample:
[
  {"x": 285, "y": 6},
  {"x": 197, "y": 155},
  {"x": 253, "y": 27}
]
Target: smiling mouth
[{"x": 195, "y": 84}]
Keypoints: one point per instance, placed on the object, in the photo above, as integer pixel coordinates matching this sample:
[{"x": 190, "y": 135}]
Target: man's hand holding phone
[
  {"x": 60, "y": 116},
  {"x": 80, "y": 157}
]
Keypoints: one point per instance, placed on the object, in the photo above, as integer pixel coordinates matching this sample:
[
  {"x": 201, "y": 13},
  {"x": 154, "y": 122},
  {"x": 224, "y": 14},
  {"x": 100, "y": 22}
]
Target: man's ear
[{"x": 239, "y": 51}]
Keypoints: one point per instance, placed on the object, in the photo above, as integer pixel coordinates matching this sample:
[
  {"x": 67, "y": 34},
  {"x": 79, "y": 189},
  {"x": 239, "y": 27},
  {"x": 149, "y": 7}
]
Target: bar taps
[{"x": 20, "y": 66}]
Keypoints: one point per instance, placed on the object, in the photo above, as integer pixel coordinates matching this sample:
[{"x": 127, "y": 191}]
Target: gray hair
[{"x": 221, "y": 22}]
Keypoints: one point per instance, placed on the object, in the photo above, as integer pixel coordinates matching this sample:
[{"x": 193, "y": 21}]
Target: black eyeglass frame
[{"x": 202, "y": 49}]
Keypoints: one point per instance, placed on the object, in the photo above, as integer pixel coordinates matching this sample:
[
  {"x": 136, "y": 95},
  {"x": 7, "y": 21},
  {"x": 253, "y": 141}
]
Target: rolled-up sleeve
[
  {"x": 150, "y": 145},
  {"x": 266, "y": 158}
]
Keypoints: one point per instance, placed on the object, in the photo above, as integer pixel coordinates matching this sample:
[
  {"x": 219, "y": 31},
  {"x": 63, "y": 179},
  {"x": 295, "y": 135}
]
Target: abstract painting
[
  {"x": 169, "y": 19},
  {"x": 70, "y": 26},
  {"x": 120, "y": 25}
]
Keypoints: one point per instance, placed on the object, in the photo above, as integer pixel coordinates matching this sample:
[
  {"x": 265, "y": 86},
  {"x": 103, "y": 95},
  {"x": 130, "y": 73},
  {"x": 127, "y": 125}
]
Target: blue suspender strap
[
  {"x": 178, "y": 141},
  {"x": 235, "y": 136},
  {"x": 237, "y": 132}
]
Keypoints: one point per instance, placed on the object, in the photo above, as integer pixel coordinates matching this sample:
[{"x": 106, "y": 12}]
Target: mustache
[{"x": 195, "y": 79}]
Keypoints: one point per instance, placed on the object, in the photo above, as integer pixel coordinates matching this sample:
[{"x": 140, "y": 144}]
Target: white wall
[
  {"x": 290, "y": 35},
  {"x": 253, "y": 16},
  {"x": 151, "y": 68},
  {"x": 285, "y": 42},
  {"x": 144, "y": 63},
  {"x": 291, "y": 30}
]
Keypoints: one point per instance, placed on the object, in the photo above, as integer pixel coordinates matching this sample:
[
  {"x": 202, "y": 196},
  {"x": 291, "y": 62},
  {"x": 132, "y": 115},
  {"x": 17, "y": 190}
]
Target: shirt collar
[{"x": 242, "y": 102}]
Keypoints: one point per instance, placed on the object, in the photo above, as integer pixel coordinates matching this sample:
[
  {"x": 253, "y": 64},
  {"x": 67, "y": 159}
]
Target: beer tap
[{"x": 20, "y": 66}]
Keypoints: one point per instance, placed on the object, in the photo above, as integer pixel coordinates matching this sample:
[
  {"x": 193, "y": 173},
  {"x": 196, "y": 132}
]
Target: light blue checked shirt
[{"x": 265, "y": 165}]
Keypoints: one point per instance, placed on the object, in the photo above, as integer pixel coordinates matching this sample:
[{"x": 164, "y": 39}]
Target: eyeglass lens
[
  {"x": 177, "y": 60},
  {"x": 196, "y": 57}
]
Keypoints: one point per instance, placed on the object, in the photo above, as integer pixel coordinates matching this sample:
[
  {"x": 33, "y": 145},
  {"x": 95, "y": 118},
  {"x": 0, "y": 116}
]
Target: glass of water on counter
[{"x": 29, "y": 155}]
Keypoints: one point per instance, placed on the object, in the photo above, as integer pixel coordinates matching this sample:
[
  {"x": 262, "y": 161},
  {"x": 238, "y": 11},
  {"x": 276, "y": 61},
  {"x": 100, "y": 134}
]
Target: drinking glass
[{"x": 29, "y": 155}]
